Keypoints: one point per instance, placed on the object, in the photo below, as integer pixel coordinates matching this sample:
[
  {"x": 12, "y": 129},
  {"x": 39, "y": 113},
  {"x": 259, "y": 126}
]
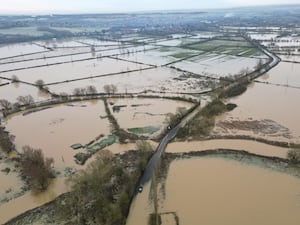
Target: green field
[{"x": 144, "y": 130}]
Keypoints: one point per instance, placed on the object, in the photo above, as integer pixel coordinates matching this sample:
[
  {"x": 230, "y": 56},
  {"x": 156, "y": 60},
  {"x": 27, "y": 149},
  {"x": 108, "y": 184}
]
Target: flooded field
[
  {"x": 256, "y": 195},
  {"x": 54, "y": 130},
  {"x": 139, "y": 113},
  {"x": 13, "y": 90},
  {"x": 156, "y": 79},
  {"x": 273, "y": 102},
  {"x": 19, "y": 49},
  {"x": 32, "y": 200},
  {"x": 75, "y": 70},
  {"x": 218, "y": 65},
  {"x": 161, "y": 56}
]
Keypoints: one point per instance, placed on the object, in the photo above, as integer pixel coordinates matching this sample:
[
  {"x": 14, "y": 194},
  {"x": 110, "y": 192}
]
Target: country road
[{"x": 148, "y": 172}]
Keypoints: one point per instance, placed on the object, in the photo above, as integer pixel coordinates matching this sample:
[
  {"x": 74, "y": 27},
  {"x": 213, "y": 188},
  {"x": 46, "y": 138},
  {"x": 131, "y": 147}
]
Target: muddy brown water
[
  {"x": 227, "y": 192},
  {"x": 247, "y": 145},
  {"x": 12, "y": 91},
  {"x": 145, "y": 112},
  {"x": 280, "y": 104},
  {"x": 69, "y": 71},
  {"x": 155, "y": 79},
  {"x": 216, "y": 191},
  {"x": 54, "y": 130},
  {"x": 31, "y": 200}
]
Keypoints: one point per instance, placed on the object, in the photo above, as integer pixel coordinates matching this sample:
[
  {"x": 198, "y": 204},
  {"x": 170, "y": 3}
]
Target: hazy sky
[{"x": 69, "y": 6}]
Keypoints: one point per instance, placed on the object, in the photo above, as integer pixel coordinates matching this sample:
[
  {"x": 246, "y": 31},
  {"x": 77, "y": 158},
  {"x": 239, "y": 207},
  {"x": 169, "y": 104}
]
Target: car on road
[{"x": 140, "y": 189}]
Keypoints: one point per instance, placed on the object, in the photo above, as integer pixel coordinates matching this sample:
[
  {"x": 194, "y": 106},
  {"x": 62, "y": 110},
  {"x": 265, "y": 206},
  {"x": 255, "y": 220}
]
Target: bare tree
[
  {"x": 36, "y": 168},
  {"x": 114, "y": 88},
  {"x": 107, "y": 88},
  {"x": 243, "y": 72},
  {"x": 6, "y": 141},
  {"x": 110, "y": 88},
  {"x": 40, "y": 83},
  {"x": 294, "y": 155},
  {"x": 15, "y": 79},
  {"x": 25, "y": 100},
  {"x": 5, "y": 104},
  {"x": 79, "y": 91},
  {"x": 91, "y": 89},
  {"x": 259, "y": 64}
]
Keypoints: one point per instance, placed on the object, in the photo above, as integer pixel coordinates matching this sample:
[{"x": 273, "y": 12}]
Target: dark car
[{"x": 140, "y": 189}]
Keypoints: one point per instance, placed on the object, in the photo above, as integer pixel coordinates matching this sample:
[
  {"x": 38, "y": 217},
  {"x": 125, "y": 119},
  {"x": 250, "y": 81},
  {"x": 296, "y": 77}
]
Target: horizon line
[{"x": 148, "y": 11}]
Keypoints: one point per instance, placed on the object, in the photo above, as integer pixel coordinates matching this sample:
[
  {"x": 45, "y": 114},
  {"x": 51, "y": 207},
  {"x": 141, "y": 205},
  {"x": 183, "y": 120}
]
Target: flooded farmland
[
  {"x": 255, "y": 195},
  {"x": 197, "y": 188},
  {"x": 54, "y": 130},
  {"x": 71, "y": 71},
  {"x": 276, "y": 101},
  {"x": 19, "y": 89},
  {"x": 153, "y": 78},
  {"x": 138, "y": 113}
]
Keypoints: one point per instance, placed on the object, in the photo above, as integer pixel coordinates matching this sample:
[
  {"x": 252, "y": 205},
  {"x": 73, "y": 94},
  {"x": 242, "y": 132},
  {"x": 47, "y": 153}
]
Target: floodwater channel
[{"x": 232, "y": 144}]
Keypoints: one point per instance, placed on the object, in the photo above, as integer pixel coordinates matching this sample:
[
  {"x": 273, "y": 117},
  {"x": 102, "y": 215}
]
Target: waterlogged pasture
[
  {"x": 144, "y": 116},
  {"x": 54, "y": 130}
]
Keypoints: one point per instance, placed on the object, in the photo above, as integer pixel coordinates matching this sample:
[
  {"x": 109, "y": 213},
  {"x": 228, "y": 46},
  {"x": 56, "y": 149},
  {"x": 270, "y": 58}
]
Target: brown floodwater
[
  {"x": 156, "y": 79},
  {"x": 54, "y": 130},
  {"x": 227, "y": 192},
  {"x": 69, "y": 71},
  {"x": 216, "y": 191},
  {"x": 32, "y": 200},
  {"x": 263, "y": 101},
  {"x": 12, "y": 91},
  {"x": 145, "y": 112},
  {"x": 247, "y": 145},
  {"x": 140, "y": 208}
]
